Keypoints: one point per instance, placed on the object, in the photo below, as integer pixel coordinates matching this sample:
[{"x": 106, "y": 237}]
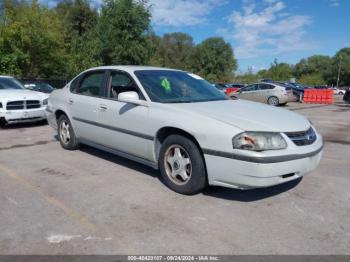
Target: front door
[{"x": 122, "y": 125}]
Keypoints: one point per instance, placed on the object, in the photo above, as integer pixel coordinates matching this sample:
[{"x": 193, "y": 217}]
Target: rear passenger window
[
  {"x": 92, "y": 84},
  {"x": 74, "y": 84}
]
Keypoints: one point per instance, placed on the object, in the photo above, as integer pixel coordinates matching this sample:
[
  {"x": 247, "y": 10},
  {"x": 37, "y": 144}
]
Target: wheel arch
[
  {"x": 166, "y": 131},
  {"x": 59, "y": 113}
]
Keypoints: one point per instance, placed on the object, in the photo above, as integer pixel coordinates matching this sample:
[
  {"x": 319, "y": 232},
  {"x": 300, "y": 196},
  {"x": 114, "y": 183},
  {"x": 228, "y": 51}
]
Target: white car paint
[
  {"x": 131, "y": 131},
  {"x": 26, "y": 114}
]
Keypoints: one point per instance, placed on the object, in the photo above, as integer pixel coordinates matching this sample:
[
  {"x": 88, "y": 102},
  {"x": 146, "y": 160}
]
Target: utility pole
[{"x": 339, "y": 65}]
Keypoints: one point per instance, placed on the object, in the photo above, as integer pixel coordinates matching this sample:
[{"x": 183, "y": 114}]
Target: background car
[
  {"x": 228, "y": 88},
  {"x": 18, "y": 104},
  {"x": 297, "y": 89},
  {"x": 39, "y": 86},
  {"x": 233, "y": 87},
  {"x": 269, "y": 93},
  {"x": 222, "y": 87},
  {"x": 338, "y": 91}
]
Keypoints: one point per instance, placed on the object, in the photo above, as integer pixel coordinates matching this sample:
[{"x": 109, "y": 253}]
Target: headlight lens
[
  {"x": 45, "y": 101},
  {"x": 259, "y": 141}
]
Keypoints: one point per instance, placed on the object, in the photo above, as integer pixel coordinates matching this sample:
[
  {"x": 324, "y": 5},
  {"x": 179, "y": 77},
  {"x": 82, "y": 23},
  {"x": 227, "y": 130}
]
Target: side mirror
[{"x": 131, "y": 97}]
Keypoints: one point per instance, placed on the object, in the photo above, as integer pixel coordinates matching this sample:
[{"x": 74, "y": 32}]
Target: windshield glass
[
  {"x": 42, "y": 87},
  {"x": 10, "y": 83},
  {"x": 166, "y": 86}
]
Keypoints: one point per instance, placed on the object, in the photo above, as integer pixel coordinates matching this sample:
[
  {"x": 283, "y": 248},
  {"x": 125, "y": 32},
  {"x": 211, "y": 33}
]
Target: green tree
[
  {"x": 279, "y": 71},
  {"x": 174, "y": 50},
  {"x": 311, "y": 79},
  {"x": 77, "y": 15},
  {"x": 317, "y": 64},
  {"x": 122, "y": 31},
  {"x": 214, "y": 60},
  {"x": 31, "y": 42},
  {"x": 341, "y": 61},
  {"x": 79, "y": 20}
]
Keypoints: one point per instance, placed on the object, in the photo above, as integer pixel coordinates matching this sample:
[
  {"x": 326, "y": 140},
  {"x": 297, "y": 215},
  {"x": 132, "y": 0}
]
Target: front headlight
[
  {"x": 45, "y": 101},
  {"x": 259, "y": 141}
]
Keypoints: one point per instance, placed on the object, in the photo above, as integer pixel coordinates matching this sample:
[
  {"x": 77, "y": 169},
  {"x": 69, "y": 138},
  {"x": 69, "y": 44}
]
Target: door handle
[
  {"x": 102, "y": 107},
  {"x": 70, "y": 101}
]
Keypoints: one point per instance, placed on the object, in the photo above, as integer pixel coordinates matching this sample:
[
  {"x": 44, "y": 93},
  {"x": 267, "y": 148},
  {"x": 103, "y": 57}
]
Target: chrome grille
[
  {"x": 32, "y": 104},
  {"x": 15, "y": 105},
  {"x": 23, "y": 104},
  {"x": 303, "y": 138}
]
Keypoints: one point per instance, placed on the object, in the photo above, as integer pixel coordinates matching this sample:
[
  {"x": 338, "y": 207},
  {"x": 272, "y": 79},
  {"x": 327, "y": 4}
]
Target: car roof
[{"x": 131, "y": 68}]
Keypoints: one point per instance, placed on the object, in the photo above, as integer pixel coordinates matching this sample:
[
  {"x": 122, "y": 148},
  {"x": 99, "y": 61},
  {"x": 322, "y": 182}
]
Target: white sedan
[
  {"x": 18, "y": 104},
  {"x": 178, "y": 122}
]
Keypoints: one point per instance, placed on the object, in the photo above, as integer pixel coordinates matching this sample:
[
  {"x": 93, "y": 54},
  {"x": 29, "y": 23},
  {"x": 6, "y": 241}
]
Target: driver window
[{"x": 120, "y": 82}]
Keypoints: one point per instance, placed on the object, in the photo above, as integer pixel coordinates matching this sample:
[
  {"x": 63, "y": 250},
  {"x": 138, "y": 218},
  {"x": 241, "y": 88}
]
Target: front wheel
[
  {"x": 66, "y": 133},
  {"x": 273, "y": 101},
  {"x": 182, "y": 166}
]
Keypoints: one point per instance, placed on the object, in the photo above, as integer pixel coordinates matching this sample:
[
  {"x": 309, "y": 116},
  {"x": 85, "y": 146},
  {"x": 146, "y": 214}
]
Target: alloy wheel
[
  {"x": 64, "y": 132},
  {"x": 178, "y": 165}
]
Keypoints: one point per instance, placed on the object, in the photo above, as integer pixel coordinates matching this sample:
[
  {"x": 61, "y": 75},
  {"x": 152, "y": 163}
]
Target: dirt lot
[{"x": 90, "y": 202}]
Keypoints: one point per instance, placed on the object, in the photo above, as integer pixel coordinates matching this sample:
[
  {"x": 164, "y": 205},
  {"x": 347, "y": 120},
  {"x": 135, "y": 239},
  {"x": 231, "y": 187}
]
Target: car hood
[
  {"x": 248, "y": 116},
  {"x": 21, "y": 94}
]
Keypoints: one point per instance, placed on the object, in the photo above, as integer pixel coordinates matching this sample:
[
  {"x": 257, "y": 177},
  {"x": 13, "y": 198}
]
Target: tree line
[
  {"x": 55, "y": 43},
  {"x": 60, "y": 42},
  {"x": 314, "y": 70}
]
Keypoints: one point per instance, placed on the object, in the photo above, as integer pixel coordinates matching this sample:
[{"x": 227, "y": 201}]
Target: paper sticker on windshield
[
  {"x": 166, "y": 84},
  {"x": 195, "y": 76}
]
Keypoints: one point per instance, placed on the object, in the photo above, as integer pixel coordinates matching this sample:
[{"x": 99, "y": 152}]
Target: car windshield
[
  {"x": 10, "y": 83},
  {"x": 167, "y": 86},
  {"x": 43, "y": 87}
]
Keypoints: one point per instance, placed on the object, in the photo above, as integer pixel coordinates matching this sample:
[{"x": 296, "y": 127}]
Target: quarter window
[{"x": 92, "y": 84}]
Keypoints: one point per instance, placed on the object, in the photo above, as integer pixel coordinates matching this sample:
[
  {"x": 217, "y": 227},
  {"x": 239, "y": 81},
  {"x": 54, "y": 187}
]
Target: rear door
[
  {"x": 265, "y": 91},
  {"x": 84, "y": 100}
]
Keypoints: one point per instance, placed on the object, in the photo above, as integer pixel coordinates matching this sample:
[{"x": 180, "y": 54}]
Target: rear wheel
[
  {"x": 182, "y": 166},
  {"x": 273, "y": 101},
  {"x": 66, "y": 133}
]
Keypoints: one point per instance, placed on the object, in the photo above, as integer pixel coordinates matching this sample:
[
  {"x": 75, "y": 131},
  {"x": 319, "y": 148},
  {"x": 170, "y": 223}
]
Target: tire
[
  {"x": 66, "y": 133},
  {"x": 180, "y": 157},
  {"x": 273, "y": 101}
]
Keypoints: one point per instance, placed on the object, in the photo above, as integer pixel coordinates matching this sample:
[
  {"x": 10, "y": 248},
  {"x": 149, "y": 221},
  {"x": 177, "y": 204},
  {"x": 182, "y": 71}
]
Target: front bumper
[
  {"x": 22, "y": 116},
  {"x": 255, "y": 172},
  {"x": 51, "y": 118}
]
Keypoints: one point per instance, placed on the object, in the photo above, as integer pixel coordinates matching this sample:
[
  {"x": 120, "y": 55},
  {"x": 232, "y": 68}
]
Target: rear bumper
[
  {"x": 22, "y": 116},
  {"x": 247, "y": 173}
]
